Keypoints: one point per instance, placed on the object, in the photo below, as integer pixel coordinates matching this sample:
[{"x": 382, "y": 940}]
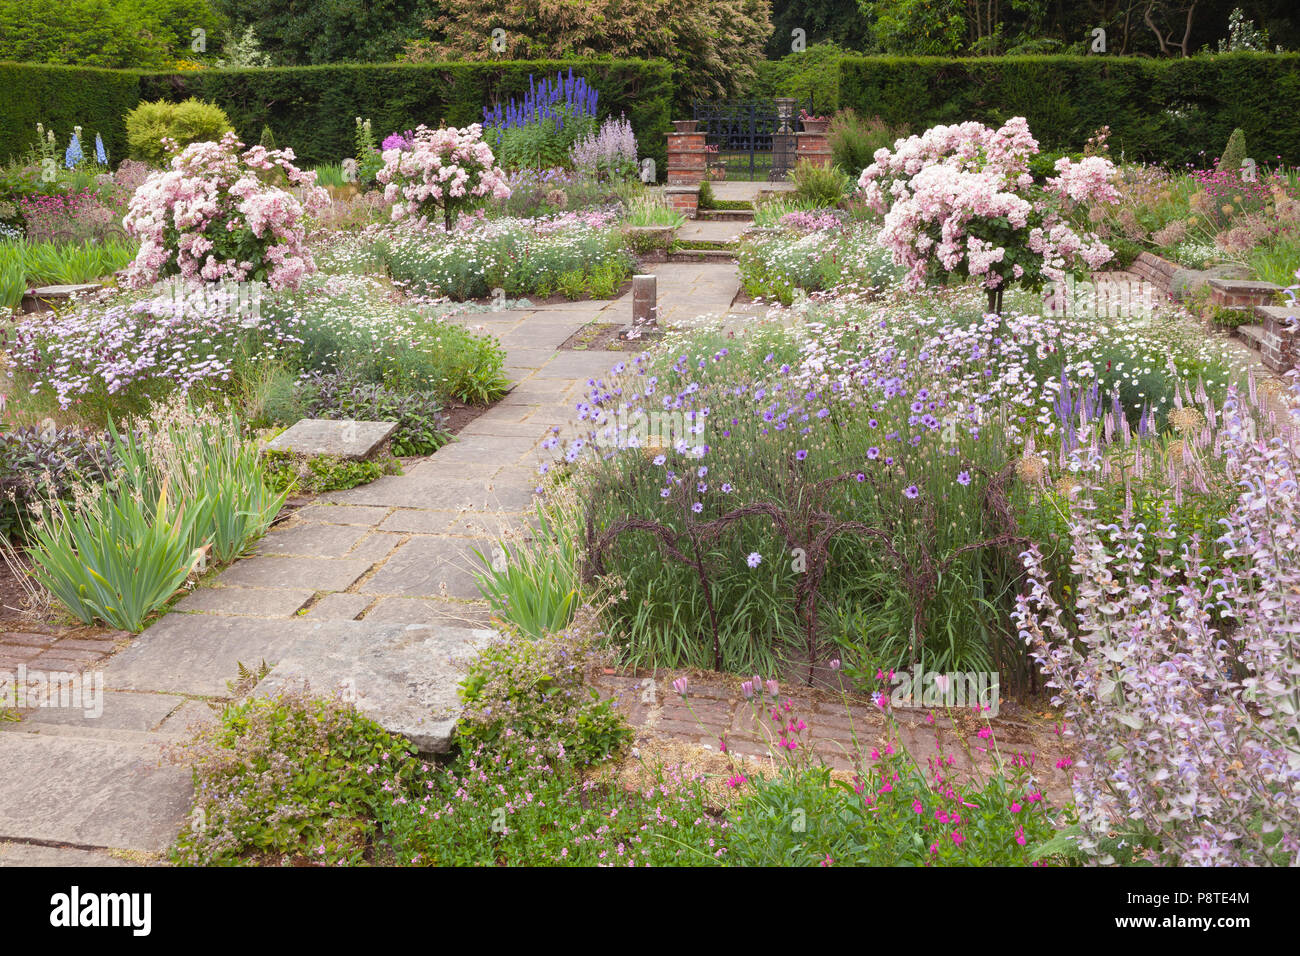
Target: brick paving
[{"x": 715, "y": 714}]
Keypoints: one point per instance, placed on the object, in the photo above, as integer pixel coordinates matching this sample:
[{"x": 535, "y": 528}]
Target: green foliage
[
  {"x": 854, "y": 140},
  {"x": 267, "y": 140},
  {"x": 314, "y": 109},
  {"x": 294, "y": 474},
  {"x": 24, "y": 264},
  {"x": 536, "y": 688},
  {"x": 295, "y": 778},
  {"x": 120, "y": 551},
  {"x": 62, "y": 97},
  {"x": 1235, "y": 152},
  {"x": 707, "y": 200},
  {"x": 813, "y": 74},
  {"x": 534, "y": 585},
  {"x": 113, "y": 558},
  {"x": 711, "y": 44},
  {"x": 803, "y": 817},
  {"x": 319, "y": 33},
  {"x": 540, "y": 145},
  {"x": 1159, "y": 110},
  {"x": 348, "y": 396},
  {"x": 819, "y": 186},
  {"x": 190, "y": 121},
  {"x": 125, "y": 34}
]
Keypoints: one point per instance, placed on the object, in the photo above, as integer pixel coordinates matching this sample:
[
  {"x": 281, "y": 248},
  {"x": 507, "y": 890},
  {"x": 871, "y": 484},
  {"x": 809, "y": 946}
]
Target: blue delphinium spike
[{"x": 101, "y": 156}]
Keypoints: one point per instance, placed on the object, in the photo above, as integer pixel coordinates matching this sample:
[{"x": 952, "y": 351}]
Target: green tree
[
  {"x": 328, "y": 31},
  {"x": 840, "y": 22},
  {"x": 141, "y": 34},
  {"x": 712, "y": 44}
]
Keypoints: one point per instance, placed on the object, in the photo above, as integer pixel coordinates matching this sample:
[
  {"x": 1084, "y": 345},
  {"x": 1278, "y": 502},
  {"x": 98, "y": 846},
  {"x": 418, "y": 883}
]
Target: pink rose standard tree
[
  {"x": 445, "y": 169},
  {"x": 961, "y": 201},
  {"x": 211, "y": 218}
]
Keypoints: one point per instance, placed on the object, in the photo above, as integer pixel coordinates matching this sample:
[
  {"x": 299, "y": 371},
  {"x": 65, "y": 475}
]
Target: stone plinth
[{"x": 644, "y": 298}]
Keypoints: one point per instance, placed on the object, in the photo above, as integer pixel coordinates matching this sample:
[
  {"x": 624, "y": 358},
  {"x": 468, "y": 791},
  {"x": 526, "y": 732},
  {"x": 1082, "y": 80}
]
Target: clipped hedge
[
  {"x": 1168, "y": 111},
  {"x": 62, "y": 97},
  {"x": 314, "y": 108}
]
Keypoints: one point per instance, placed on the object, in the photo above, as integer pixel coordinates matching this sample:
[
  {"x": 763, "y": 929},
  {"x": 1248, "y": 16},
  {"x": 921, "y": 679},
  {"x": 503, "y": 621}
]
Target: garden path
[{"x": 349, "y": 590}]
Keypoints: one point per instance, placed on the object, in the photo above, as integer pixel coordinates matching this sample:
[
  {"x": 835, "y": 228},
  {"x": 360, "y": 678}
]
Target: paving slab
[
  {"x": 342, "y": 439},
  {"x": 90, "y": 793},
  {"x": 417, "y": 521},
  {"x": 312, "y": 539},
  {"x": 402, "y": 676},
  {"x": 342, "y": 514},
  {"x": 319, "y": 574},
  {"x": 431, "y": 567},
  {"x": 34, "y": 854},
  {"x": 106, "y": 709},
  {"x": 245, "y": 602},
  {"x": 376, "y": 546},
  {"x": 197, "y": 654},
  {"x": 339, "y": 607},
  {"x": 428, "y": 611}
]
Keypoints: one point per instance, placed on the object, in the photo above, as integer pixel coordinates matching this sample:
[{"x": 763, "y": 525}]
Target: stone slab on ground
[
  {"x": 90, "y": 793},
  {"x": 246, "y": 602},
  {"x": 318, "y": 574},
  {"x": 431, "y": 567},
  {"x": 196, "y": 654},
  {"x": 342, "y": 439},
  {"x": 34, "y": 854},
  {"x": 113, "y": 710},
  {"x": 402, "y": 676}
]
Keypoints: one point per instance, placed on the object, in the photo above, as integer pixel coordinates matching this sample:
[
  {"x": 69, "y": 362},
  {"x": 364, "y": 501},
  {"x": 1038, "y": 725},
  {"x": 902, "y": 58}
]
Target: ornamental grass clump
[
  {"x": 1179, "y": 685},
  {"x": 211, "y": 216}
]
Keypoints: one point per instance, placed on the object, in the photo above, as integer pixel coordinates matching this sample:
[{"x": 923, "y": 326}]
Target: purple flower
[
  {"x": 754, "y": 559},
  {"x": 911, "y": 491},
  {"x": 963, "y": 478},
  {"x": 873, "y": 452},
  {"x": 800, "y": 455}
]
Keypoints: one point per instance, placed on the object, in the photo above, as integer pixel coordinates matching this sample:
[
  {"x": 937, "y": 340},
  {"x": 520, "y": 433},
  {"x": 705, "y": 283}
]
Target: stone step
[
  {"x": 725, "y": 215},
  {"x": 1252, "y": 335},
  {"x": 702, "y": 255}
]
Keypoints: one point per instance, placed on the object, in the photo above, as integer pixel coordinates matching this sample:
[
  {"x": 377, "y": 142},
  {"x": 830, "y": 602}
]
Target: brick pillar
[
  {"x": 683, "y": 199},
  {"x": 687, "y": 159},
  {"x": 814, "y": 148}
]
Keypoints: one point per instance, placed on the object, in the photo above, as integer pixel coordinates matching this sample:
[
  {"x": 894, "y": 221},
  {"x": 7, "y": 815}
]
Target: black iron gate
[{"x": 750, "y": 139}]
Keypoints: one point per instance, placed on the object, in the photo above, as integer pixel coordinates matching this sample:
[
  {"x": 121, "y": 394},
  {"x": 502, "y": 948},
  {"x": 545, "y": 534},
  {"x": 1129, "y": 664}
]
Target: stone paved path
[{"x": 362, "y": 588}]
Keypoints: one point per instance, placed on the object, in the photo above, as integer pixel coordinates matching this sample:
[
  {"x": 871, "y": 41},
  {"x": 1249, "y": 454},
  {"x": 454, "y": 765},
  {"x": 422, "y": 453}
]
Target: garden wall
[
  {"x": 314, "y": 108},
  {"x": 1168, "y": 111}
]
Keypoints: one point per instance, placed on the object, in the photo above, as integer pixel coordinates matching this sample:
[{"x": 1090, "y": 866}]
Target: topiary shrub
[
  {"x": 1235, "y": 152},
  {"x": 191, "y": 121}
]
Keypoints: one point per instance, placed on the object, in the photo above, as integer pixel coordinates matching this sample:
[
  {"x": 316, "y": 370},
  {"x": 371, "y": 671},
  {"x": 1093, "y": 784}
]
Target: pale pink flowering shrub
[
  {"x": 1186, "y": 730},
  {"x": 960, "y": 200},
  {"x": 446, "y": 169},
  {"x": 212, "y": 217}
]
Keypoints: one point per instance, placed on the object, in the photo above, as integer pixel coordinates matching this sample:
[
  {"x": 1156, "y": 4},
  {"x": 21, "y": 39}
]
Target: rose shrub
[
  {"x": 449, "y": 169},
  {"x": 212, "y": 217}
]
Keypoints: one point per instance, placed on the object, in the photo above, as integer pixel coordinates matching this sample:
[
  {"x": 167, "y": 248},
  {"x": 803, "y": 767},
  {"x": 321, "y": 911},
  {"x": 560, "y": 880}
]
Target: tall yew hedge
[
  {"x": 314, "y": 108},
  {"x": 1168, "y": 110}
]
